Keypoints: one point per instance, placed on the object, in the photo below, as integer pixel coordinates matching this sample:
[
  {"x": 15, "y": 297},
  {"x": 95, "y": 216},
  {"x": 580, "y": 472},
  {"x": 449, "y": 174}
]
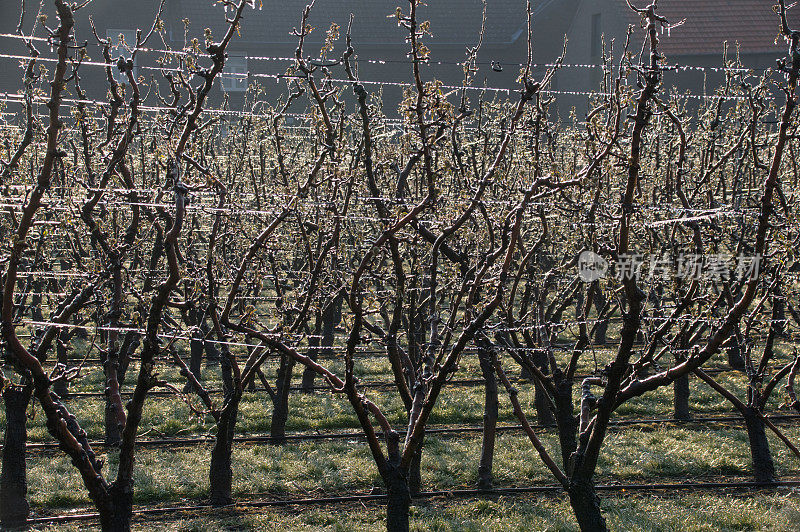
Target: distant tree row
[{"x": 473, "y": 228}]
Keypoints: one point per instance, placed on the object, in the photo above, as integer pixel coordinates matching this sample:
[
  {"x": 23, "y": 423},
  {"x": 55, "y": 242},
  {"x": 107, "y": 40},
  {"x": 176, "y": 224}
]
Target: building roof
[
  {"x": 752, "y": 24},
  {"x": 451, "y": 22}
]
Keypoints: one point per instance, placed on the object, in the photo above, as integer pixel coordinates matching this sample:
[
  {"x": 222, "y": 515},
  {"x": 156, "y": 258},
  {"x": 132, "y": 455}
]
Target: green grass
[
  {"x": 340, "y": 467},
  {"x": 697, "y": 512},
  {"x": 170, "y": 416},
  {"x": 639, "y": 454}
]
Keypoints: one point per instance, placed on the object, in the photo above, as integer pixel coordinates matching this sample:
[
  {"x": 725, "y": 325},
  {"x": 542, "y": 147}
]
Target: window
[
  {"x": 597, "y": 36},
  {"x": 234, "y": 75},
  {"x": 122, "y": 44}
]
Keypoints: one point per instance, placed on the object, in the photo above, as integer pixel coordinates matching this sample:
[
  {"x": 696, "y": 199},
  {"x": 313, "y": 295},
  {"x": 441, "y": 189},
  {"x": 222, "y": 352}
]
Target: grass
[
  {"x": 710, "y": 512},
  {"x": 169, "y": 416},
  {"x": 339, "y": 467},
  {"x": 639, "y": 454}
]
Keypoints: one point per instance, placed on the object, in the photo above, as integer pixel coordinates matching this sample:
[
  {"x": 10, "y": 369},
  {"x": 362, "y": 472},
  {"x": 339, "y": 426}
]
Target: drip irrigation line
[
  {"x": 259, "y": 389},
  {"x": 454, "y": 493},
  {"x": 434, "y": 430},
  {"x": 316, "y": 388}
]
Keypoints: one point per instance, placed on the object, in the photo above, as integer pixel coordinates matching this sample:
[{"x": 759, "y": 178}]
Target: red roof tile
[{"x": 751, "y": 23}]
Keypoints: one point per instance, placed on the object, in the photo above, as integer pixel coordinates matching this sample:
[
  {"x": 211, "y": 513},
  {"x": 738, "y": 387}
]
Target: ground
[{"x": 641, "y": 454}]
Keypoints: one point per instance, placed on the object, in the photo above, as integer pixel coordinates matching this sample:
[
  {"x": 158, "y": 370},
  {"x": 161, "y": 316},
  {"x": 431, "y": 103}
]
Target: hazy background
[{"x": 266, "y": 45}]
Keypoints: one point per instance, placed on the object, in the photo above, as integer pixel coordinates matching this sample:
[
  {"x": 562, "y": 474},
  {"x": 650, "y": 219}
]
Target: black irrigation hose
[
  {"x": 373, "y": 384},
  {"x": 300, "y": 437},
  {"x": 316, "y": 388},
  {"x": 363, "y": 354},
  {"x": 542, "y": 490}
]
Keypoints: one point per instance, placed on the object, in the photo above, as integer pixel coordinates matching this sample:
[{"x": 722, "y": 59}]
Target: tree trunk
[
  {"x": 36, "y": 304},
  {"x": 196, "y": 349},
  {"x": 213, "y": 357},
  {"x": 129, "y": 346},
  {"x": 220, "y": 472},
  {"x": 280, "y": 411},
  {"x": 116, "y": 515},
  {"x": 113, "y": 430},
  {"x": 307, "y": 383},
  {"x": 544, "y": 414},
  {"x": 779, "y": 313},
  {"x": 415, "y": 471},
  {"x": 331, "y": 317},
  {"x": 490, "y": 414},
  {"x": 681, "y": 395},
  {"x": 602, "y": 325},
  {"x": 566, "y": 420},
  {"x": 763, "y": 466},
  {"x": 113, "y": 427},
  {"x": 734, "y": 352},
  {"x": 586, "y": 506},
  {"x": 61, "y": 387},
  {"x": 398, "y": 503},
  {"x": 14, "y": 507}
]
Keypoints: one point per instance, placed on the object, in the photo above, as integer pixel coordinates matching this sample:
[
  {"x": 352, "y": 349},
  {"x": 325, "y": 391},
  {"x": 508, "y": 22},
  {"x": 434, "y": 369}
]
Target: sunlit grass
[
  {"x": 638, "y": 454},
  {"x": 706, "y": 512},
  {"x": 340, "y": 467}
]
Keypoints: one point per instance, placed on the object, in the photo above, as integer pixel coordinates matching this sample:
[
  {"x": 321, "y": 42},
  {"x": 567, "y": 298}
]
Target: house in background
[
  {"x": 749, "y": 27},
  {"x": 266, "y": 44}
]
